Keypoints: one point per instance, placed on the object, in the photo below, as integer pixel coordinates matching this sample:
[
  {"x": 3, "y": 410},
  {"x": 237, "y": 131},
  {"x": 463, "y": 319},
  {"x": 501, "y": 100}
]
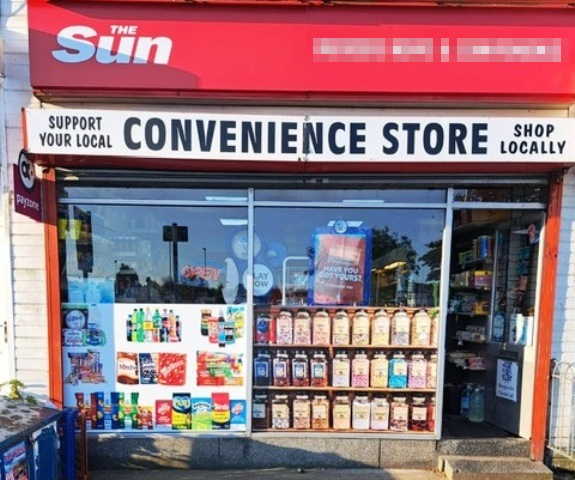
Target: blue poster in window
[{"x": 340, "y": 266}]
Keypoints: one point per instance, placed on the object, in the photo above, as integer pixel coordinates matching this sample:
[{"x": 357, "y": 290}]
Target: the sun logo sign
[{"x": 81, "y": 43}]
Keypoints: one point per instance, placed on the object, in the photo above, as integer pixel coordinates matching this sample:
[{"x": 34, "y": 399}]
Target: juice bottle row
[
  {"x": 362, "y": 370},
  {"x": 344, "y": 412},
  {"x": 360, "y": 328}
]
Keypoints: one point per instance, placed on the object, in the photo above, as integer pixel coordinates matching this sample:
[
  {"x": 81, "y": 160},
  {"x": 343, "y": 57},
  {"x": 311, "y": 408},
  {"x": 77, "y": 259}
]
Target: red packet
[
  {"x": 172, "y": 368},
  {"x": 163, "y": 414}
]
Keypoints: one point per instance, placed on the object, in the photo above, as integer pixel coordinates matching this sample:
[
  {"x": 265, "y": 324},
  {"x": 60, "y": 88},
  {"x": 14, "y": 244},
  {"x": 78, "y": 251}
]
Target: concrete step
[
  {"x": 489, "y": 447},
  {"x": 456, "y": 467}
]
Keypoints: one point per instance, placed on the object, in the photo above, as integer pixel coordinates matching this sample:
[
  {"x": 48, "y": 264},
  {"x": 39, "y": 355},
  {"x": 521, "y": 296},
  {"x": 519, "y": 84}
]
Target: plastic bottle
[
  {"x": 301, "y": 412},
  {"x": 221, "y": 330},
  {"x": 417, "y": 369},
  {"x": 157, "y": 323},
  {"x": 361, "y": 413},
  {"x": 465, "y": 398},
  {"x": 398, "y": 371},
  {"x": 300, "y": 370},
  {"x": 360, "y": 329},
  {"x": 477, "y": 404},
  {"x": 400, "y": 329},
  {"x": 341, "y": 413},
  {"x": 281, "y": 369},
  {"x": 341, "y": 370},
  {"x": 302, "y": 328},
  {"x": 360, "y": 371},
  {"x": 379, "y": 370},
  {"x": 284, "y": 328},
  {"x": 321, "y": 331},
  {"x": 129, "y": 328},
  {"x": 139, "y": 326},
  {"x": 318, "y": 370},
  {"x": 380, "y": 328},
  {"x": 341, "y": 328},
  {"x": 262, "y": 369}
]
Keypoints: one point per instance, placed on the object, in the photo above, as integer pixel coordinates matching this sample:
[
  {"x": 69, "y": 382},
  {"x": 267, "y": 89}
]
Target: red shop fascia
[{"x": 314, "y": 53}]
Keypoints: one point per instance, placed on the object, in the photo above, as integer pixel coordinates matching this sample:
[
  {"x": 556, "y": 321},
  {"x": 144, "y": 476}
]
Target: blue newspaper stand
[{"x": 43, "y": 449}]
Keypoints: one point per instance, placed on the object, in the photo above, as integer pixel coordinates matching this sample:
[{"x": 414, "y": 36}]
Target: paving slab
[{"x": 268, "y": 474}]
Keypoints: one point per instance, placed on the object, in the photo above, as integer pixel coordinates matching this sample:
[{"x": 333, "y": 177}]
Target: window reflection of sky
[
  {"x": 129, "y": 240},
  {"x": 294, "y": 228}
]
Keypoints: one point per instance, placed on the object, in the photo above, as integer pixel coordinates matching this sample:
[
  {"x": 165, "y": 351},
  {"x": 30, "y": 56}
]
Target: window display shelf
[
  {"x": 350, "y": 347},
  {"x": 459, "y": 339},
  {"x": 347, "y": 389},
  {"x": 477, "y": 261}
]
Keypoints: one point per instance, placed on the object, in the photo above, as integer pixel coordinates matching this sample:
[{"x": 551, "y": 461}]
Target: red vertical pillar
[
  {"x": 50, "y": 218},
  {"x": 546, "y": 312}
]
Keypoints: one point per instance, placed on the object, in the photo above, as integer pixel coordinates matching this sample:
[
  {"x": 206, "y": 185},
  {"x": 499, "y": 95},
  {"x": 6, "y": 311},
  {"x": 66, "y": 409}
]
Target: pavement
[{"x": 271, "y": 474}]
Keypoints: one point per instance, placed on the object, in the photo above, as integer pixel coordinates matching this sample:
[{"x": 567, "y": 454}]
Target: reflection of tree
[
  {"x": 432, "y": 259},
  {"x": 394, "y": 264},
  {"x": 389, "y": 247}
]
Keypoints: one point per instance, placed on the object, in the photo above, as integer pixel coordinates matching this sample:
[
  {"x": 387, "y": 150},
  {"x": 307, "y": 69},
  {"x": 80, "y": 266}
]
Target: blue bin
[{"x": 45, "y": 450}]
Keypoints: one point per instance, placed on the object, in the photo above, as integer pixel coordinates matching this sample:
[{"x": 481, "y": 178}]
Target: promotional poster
[
  {"x": 341, "y": 266},
  {"x": 150, "y": 366}
]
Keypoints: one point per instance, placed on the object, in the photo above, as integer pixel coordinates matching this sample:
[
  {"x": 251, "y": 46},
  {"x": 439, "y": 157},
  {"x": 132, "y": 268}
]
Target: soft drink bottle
[
  {"x": 129, "y": 328},
  {"x": 221, "y": 329},
  {"x": 465, "y": 397},
  {"x": 477, "y": 404}
]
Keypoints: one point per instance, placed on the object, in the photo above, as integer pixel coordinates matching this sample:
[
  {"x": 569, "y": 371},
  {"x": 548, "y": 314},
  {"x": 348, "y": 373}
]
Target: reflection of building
[
  {"x": 393, "y": 281},
  {"x": 391, "y": 277},
  {"x": 127, "y": 283}
]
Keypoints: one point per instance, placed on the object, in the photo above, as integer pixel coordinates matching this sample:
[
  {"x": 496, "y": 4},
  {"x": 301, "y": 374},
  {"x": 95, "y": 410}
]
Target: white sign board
[
  {"x": 316, "y": 136},
  {"x": 507, "y": 379}
]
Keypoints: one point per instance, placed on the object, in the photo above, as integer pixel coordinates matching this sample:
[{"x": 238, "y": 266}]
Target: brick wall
[{"x": 23, "y": 298}]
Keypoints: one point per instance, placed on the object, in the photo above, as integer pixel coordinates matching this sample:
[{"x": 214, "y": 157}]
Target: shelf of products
[
  {"x": 343, "y": 413},
  {"x": 469, "y": 361},
  {"x": 348, "y": 389},
  {"x": 471, "y": 289},
  {"x": 357, "y": 361},
  {"x": 347, "y": 347}
]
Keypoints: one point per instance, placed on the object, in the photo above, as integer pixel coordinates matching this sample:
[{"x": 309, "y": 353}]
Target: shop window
[
  {"x": 516, "y": 193},
  {"x": 154, "y": 317},
  {"x": 398, "y": 258},
  {"x": 346, "y": 319},
  {"x": 132, "y": 254},
  {"x": 150, "y": 192},
  {"x": 347, "y": 195}
]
